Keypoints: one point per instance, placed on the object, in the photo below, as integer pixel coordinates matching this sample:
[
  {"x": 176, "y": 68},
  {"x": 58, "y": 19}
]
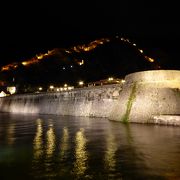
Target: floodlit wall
[
  {"x": 92, "y": 101},
  {"x": 143, "y": 96},
  {"x": 148, "y": 94}
]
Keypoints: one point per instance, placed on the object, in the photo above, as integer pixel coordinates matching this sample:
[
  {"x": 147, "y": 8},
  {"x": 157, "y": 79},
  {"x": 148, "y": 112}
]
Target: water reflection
[
  {"x": 99, "y": 150},
  {"x": 50, "y": 160},
  {"x": 10, "y": 134},
  {"x": 81, "y": 155},
  {"x": 63, "y": 155},
  {"x": 64, "y": 144},
  {"x": 110, "y": 159},
  {"x": 50, "y": 137},
  {"x": 38, "y": 149},
  {"x": 38, "y": 141}
]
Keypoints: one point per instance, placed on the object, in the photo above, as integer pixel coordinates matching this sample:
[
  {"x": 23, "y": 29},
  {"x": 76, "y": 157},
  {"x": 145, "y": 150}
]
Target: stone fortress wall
[
  {"x": 145, "y": 97},
  {"x": 91, "y": 101}
]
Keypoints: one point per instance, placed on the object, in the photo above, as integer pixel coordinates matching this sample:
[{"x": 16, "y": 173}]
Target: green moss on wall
[
  {"x": 125, "y": 118},
  {"x": 177, "y": 92}
]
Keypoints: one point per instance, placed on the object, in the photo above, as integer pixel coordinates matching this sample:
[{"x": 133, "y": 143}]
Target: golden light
[
  {"x": 51, "y": 87},
  {"x": 24, "y": 63},
  {"x": 40, "y": 88},
  {"x": 57, "y": 90},
  {"x": 78, "y": 49},
  {"x": 9, "y": 67},
  {"x": 65, "y": 85},
  {"x": 111, "y": 149},
  {"x": 50, "y": 138},
  {"x": 69, "y": 88},
  {"x": 110, "y": 79},
  {"x": 123, "y": 81},
  {"x": 140, "y": 50},
  {"x": 5, "y": 68},
  {"x": 81, "y": 155},
  {"x": 81, "y": 63},
  {"x": 88, "y": 47},
  {"x": 40, "y": 56},
  {"x": 64, "y": 144},
  {"x": 38, "y": 140},
  {"x": 67, "y": 51},
  {"x": 81, "y": 83},
  {"x": 29, "y": 62},
  {"x": 151, "y": 59}
]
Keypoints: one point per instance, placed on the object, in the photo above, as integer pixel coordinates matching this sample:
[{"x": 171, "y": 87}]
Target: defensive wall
[{"x": 145, "y": 97}]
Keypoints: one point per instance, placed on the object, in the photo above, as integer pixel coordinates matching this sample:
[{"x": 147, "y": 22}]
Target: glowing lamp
[
  {"x": 81, "y": 83},
  {"x": 110, "y": 79},
  {"x": 51, "y": 87}
]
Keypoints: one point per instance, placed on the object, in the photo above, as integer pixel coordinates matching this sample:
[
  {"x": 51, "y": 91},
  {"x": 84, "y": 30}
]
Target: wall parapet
[{"x": 153, "y": 76}]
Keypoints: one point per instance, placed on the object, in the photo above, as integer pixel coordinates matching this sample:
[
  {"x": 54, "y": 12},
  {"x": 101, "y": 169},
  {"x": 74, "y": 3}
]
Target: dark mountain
[{"x": 89, "y": 62}]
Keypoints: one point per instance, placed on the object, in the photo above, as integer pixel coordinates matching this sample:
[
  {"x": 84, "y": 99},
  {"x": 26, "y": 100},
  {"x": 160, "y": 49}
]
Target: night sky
[{"x": 31, "y": 28}]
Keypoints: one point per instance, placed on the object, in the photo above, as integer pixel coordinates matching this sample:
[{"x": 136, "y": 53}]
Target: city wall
[
  {"x": 145, "y": 97},
  {"x": 149, "y": 97},
  {"x": 91, "y": 101}
]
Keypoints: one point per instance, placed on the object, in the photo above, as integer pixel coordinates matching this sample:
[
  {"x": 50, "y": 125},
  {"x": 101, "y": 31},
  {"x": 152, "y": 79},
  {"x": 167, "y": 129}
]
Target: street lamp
[
  {"x": 40, "y": 88},
  {"x": 110, "y": 79},
  {"x": 81, "y": 83},
  {"x": 51, "y": 87}
]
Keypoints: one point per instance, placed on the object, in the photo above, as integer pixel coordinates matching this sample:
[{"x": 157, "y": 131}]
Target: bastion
[{"x": 148, "y": 96}]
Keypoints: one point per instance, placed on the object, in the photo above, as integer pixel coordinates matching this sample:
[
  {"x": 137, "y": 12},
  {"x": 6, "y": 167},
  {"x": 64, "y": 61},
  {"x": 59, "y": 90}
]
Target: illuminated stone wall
[
  {"x": 148, "y": 94},
  {"x": 91, "y": 101},
  {"x": 144, "y": 95}
]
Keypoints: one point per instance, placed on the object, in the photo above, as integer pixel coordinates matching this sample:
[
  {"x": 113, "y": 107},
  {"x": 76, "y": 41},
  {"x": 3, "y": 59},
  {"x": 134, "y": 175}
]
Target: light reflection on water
[
  {"x": 10, "y": 134},
  {"x": 50, "y": 148},
  {"x": 63, "y": 147},
  {"x": 50, "y": 135},
  {"x": 64, "y": 144},
  {"x": 38, "y": 148},
  {"x": 110, "y": 154},
  {"x": 81, "y": 156},
  {"x": 38, "y": 141}
]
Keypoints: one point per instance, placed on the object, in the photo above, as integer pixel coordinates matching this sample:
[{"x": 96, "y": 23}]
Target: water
[{"x": 65, "y": 147}]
